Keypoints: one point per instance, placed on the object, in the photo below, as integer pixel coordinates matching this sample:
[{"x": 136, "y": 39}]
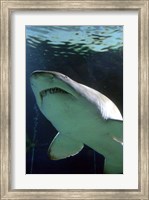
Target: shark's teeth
[{"x": 52, "y": 91}]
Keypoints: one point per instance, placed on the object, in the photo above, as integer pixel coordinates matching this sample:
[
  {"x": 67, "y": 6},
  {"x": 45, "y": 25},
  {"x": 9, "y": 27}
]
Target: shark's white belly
[
  {"x": 85, "y": 124},
  {"x": 70, "y": 116}
]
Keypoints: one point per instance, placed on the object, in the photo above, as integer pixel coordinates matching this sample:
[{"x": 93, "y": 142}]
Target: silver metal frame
[{"x": 7, "y": 7}]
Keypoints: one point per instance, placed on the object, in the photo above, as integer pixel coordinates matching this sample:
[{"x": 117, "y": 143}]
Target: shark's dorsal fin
[{"x": 63, "y": 146}]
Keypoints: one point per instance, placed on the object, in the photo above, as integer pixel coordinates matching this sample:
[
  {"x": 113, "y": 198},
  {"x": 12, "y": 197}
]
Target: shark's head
[
  {"x": 48, "y": 82},
  {"x": 56, "y": 91},
  {"x": 59, "y": 97}
]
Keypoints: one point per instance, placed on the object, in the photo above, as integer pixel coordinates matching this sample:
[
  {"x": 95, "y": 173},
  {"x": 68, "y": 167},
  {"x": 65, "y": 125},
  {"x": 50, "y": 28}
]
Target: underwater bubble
[
  {"x": 66, "y": 56},
  {"x": 32, "y": 46}
]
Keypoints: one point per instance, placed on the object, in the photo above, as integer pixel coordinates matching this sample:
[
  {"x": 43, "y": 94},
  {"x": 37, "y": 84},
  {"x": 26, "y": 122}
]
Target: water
[{"x": 92, "y": 55}]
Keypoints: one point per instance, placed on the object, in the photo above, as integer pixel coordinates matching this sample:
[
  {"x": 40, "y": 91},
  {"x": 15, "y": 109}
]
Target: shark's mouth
[{"x": 52, "y": 91}]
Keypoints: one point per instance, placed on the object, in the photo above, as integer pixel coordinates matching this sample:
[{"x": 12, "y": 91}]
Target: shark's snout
[
  {"x": 41, "y": 79},
  {"x": 45, "y": 82},
  {"x": 41, "y": 74}
]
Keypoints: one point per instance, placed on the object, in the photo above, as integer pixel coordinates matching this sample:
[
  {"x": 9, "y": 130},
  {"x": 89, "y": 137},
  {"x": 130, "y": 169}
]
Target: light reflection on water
[{"x": 77, "y": 39}]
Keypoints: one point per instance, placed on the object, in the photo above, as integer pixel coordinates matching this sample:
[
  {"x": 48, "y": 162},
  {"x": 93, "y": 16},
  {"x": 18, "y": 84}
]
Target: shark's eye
[{"x": 65, "y": 76}]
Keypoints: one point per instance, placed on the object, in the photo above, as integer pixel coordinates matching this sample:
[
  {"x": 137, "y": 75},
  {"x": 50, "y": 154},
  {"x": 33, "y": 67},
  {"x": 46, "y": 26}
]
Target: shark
[{"x": 82, "y": 116}]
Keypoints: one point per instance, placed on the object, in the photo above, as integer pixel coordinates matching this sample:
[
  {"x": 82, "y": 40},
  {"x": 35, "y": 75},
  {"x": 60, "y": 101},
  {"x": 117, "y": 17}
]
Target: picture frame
[{"x": 7, "y": 8}]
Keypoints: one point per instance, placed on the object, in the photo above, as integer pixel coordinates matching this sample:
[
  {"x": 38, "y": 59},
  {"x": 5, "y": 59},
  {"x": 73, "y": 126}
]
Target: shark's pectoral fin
[{"x": 63, "y": 146}]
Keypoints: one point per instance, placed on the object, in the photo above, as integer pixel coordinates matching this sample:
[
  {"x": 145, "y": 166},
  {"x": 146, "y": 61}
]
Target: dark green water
[{"x": 92, "y": 55}]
